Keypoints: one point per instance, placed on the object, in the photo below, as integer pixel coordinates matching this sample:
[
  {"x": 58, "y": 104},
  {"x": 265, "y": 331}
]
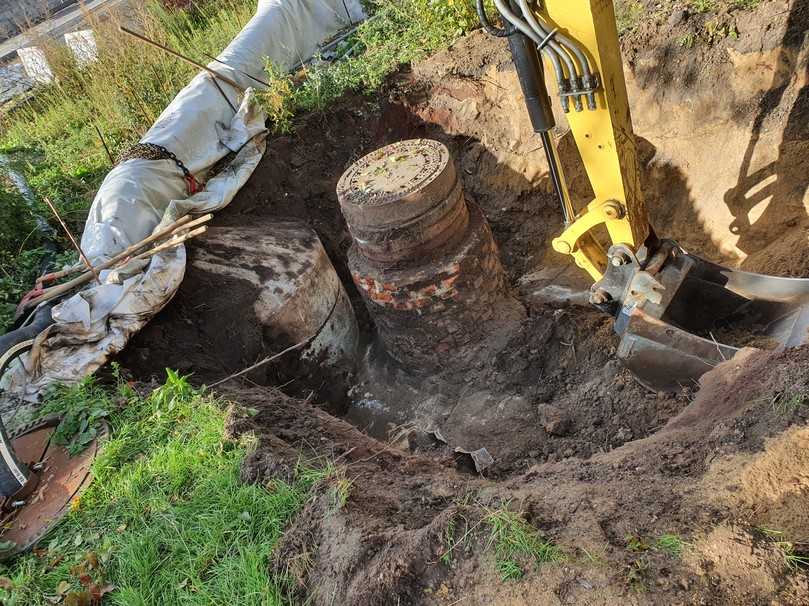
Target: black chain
[
  {"x": 153, "y": 151},
  {"x": 186, "y": 173}
]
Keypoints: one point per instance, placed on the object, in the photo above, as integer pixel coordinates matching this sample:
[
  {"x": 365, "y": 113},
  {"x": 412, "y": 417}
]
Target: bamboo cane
[
  {"x": 181, "y": 224},
  {"x": 172, "y": 243},
  {"x": 73, "y": 240}
]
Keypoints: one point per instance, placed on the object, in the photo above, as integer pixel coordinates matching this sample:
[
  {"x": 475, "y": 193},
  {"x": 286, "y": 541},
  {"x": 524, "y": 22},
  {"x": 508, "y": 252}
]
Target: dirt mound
[{"x": 378, "y": 528}]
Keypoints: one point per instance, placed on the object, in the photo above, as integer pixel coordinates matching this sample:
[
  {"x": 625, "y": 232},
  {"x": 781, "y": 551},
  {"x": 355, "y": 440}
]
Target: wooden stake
[
  {"x": 170, "y": 51},
  {"x": 73, "y": 240},
  {"x": 175, "y": 241}
]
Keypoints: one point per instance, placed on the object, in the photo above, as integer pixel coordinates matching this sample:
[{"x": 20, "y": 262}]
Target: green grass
[
  {"x": 51, "y": 138},
  {"x": 795, "y": 554},
  {"x": 402, "y": 31},
  {"x": 671, "y": 544},
  {"x": 787, "y": 402},
  {"x": 793, "y": 560},
  {"x": 517, "y": 545},
  {"x": 166, "y": 520}
]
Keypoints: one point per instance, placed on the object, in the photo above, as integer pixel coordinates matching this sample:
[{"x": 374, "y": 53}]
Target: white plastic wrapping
[{"x": 137, "y": 196}]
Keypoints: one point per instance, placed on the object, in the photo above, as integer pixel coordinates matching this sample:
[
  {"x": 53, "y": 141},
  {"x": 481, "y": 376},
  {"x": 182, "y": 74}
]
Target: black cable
[{"x": 492, "y": 29}]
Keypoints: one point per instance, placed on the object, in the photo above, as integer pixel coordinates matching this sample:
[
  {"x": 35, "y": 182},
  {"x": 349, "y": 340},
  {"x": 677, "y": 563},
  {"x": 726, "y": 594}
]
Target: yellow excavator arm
[
  {"x": 579, "y": 43},
  {"x": 604, "y": 137},
  {"x": 666, "y": 302}
]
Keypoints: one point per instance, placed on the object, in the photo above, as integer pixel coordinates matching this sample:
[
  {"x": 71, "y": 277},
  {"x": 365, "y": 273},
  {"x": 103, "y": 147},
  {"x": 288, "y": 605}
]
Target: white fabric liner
[{"x": 139, "y": 196}]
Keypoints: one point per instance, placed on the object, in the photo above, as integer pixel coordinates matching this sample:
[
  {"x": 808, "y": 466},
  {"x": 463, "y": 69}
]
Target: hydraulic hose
[
  {"x": 489, "y": 27},
  {"x": 571, "y": 47},
  {"x": 548, "y": 50},
  {"x": 532, "y": 81},
  {"x": 588, "y": 80},
  {"x": 544, "y": 40},
  {"x": 547, "y": 37}
]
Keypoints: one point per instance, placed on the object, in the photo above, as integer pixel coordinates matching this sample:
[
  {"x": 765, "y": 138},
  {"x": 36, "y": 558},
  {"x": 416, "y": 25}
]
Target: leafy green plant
[
  {"x": 716, "y": 29},
  {"x": 82, "y": 408},
  {"x": 636, "y": 544},
  {"x": 637, "y": 573},
  {"x": 278, "y": 99}
]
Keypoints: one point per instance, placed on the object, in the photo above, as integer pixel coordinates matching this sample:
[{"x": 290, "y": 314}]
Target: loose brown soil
[{"x": 588, "y": 456}]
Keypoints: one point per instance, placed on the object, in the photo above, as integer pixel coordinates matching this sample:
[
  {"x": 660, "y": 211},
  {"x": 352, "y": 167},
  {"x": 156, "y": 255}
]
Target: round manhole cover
[{"x": 396, "y": 183}]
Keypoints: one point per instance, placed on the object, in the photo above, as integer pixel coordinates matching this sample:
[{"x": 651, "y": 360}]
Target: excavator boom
[{"x": 667, "y": 303}]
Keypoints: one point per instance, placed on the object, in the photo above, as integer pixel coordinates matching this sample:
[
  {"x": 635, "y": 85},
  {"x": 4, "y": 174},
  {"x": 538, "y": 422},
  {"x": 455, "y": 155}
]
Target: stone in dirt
[{"x": 555, "y": 421}]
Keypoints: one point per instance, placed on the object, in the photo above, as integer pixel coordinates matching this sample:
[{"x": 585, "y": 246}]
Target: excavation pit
[
  {"x": 581, "y": 450},
  {"x": 541, "y": 386},
  {"x": 538, "y": 389}
]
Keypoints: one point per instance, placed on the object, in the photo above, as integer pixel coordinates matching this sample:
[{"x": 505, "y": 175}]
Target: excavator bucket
[{"x": 679, "y": 315}]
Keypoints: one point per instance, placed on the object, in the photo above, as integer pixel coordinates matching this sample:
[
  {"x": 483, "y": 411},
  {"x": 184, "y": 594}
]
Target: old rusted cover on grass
[{"x": 62, "y": 479}]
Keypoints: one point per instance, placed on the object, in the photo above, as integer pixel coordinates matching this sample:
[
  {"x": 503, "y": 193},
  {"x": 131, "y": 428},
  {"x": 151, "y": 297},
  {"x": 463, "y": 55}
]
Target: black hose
[
  {"x": 42, "y": 319},
  {"x": 548, "y": 50},
  {"x": 489, "y": 27},
  {"x": 568, "y": 55}
]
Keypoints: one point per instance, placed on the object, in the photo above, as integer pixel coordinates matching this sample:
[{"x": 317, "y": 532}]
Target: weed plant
[{"x": 517, "y": 545}]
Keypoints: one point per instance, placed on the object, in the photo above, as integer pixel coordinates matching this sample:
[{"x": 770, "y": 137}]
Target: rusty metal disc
[
  {"x": 396, "y": 184},
  {"x": 62, "y": 479}
]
